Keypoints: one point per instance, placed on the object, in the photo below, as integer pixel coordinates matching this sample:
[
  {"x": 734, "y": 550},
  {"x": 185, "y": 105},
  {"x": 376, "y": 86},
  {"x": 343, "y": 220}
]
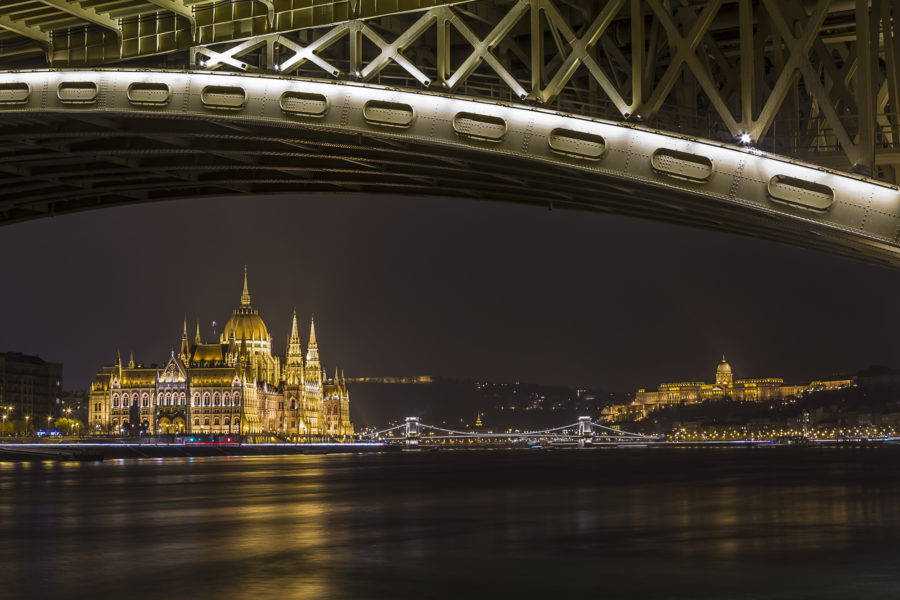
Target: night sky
[{"x": 459, "y": 288}]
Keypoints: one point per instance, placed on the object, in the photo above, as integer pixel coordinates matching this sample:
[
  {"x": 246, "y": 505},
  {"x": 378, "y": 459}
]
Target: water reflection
[{"x": 612, "y": 523}]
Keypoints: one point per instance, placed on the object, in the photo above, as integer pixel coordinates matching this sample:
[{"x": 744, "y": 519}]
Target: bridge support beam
[
  {"x": 412, "y": 432},
  {"x": 585, "y": 432}
]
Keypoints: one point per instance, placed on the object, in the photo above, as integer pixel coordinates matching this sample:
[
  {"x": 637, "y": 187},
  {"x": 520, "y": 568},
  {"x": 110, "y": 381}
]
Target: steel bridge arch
[{"x": 81, "y": 139}]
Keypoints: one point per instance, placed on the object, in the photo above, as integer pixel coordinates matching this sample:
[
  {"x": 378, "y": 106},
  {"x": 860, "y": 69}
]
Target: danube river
[{"x": 627, "y": 523}]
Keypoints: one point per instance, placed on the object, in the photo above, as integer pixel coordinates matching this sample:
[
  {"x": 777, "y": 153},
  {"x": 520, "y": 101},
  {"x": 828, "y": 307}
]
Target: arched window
[
  {"x": 182, "y": 399},
  {"x": 206, "y": 399},
  {"x": 226, "y": 399},
  {"x": 227, "y": 421},
  {"x": 145, "y": 400},
  {"x": 237, "y": 398},
  {"x": 216, "y": 421},
  {"x": 196, "y": 401},
  {"x": 196, "y": 421},
  {"x": 206, "y": 421},
  {"x": 216, "y": 399}
]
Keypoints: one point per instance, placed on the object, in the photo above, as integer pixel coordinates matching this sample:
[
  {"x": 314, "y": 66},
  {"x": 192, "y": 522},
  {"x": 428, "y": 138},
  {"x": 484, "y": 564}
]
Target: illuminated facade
[
  {"x": 233, "y": 386},
  {"x": 724, "y": 388}
]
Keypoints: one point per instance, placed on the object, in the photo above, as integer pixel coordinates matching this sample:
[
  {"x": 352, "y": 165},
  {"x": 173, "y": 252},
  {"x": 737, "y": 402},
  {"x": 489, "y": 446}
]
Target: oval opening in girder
[
  {"x": 77, "y": 92},
  {"x": 304, "y": 103},
  {"x": 577, "y": 144},
  {"x": 390, "y": 114},
  {"x": 14, "y": 93},
  {"x": 479, "y": 127},
  {"x": 154, "y": 94},
  {"x": 223, "y": 97},
  {"x": 801, "y": 193},
  {"x": 682, "y": 165}
]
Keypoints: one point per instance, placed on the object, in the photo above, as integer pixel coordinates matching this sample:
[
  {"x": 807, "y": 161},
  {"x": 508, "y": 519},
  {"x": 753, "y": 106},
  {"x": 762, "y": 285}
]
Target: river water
[{"x": 625, "y": 523}]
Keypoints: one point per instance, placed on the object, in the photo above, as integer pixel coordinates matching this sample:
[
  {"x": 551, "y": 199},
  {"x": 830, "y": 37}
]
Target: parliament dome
[{"x": 245, "y": 322}]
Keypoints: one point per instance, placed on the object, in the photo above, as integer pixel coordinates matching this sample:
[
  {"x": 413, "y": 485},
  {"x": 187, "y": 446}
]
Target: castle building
[
  {"x": 725, "y": 387},
  {"x": 236, "y": 385}
]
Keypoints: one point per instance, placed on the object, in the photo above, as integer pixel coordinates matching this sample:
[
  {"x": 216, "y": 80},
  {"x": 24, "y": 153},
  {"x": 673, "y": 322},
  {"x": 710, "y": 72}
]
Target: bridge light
[{"x": 745, "y": 138}]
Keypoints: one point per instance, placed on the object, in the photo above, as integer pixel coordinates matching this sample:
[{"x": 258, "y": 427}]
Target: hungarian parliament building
[{"x": 235, "y": 386}]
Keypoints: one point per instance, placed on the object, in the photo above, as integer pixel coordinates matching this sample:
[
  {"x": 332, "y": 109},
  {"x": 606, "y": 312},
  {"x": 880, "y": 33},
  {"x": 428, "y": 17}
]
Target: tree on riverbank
[{"x": 69, "y": 426}]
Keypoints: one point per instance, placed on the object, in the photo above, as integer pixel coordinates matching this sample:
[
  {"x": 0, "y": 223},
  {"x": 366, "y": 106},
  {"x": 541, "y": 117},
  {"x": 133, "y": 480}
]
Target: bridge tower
[
  {"x": 412, "y": 432},
  {"x": 585, "y": 432}
]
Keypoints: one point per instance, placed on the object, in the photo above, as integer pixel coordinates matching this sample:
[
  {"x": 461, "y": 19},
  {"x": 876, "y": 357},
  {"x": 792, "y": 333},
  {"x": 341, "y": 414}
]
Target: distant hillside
[{"x": 458, "y": 402}]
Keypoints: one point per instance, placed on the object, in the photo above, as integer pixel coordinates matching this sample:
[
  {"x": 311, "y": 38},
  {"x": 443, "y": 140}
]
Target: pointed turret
[
  {"x": 131, "y": 360},
  {"x": 197, "y": 337},
  {"x": 185, "y": 347},
  {"x": 245, "y": 297},
  {"x": 118, "y": 358},
  {"x": 313, "y": 376},
  {"x": 293, "y": 371},
  {"x": 312, "y": 349},
  {"x": 242, "y": 355},
  {"x": 295, "y": 333}
]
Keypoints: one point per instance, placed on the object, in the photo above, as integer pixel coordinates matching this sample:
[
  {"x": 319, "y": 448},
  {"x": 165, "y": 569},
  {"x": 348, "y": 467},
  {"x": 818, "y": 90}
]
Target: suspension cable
[{"x": 475, "y": 434}]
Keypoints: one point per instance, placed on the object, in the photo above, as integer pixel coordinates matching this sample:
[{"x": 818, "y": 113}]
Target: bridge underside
[
  {"x": 817, "y": 80},
  {"x": 80, "y": 140}
]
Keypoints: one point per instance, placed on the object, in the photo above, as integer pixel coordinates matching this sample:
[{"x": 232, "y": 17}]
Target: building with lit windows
[
  {"x": 236, "y": 385},
  {"x": 725, "y": 387},
  {"x": 30, "y": 389}
]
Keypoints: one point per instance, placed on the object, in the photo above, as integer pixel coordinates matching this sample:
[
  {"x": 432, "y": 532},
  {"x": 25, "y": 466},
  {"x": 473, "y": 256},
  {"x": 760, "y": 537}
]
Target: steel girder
[
  {"x": 76, "y": 140},
  {"x": 816, "y": 80}
]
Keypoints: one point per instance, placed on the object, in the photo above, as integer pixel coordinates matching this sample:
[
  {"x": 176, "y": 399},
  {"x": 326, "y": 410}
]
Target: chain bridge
[
  {"x": 764, "y": 118},
  {"x": 583, "y": 433}
]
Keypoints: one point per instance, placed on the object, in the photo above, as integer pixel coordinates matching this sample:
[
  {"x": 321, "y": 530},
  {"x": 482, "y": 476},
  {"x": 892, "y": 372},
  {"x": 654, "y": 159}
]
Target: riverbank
[{"x": 115, "y": 450}]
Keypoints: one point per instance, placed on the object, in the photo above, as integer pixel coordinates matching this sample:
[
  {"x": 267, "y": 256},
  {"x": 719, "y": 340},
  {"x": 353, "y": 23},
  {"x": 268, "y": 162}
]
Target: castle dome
[
  {"x": 723, "y": 367},
  {"x": 245, "y": 322}
]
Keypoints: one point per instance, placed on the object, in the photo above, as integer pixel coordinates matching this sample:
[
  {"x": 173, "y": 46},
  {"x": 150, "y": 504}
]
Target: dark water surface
[{"x": 627, "y": 523}]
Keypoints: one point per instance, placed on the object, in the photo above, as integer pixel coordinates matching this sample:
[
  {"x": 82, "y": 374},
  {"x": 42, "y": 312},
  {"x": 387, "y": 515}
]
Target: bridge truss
[
  {"x": 816, "y": 80},
  {"x": 629, "y": 107}
]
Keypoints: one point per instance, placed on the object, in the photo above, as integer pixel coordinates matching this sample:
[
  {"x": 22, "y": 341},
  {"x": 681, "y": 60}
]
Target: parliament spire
[{"x": 245, "y": 297}]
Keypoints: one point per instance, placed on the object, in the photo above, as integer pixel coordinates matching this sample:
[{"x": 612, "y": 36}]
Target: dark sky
[{"x": 444, "y": 286}]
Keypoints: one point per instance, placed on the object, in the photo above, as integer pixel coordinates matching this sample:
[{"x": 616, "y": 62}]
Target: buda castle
[
  {"x": 233, "y": 386},
  {"x": 725, "y": 387}
]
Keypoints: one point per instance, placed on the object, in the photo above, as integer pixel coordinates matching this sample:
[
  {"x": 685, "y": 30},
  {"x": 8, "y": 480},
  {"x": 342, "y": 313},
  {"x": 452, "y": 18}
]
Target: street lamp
[{"x": 26, "y": 423}]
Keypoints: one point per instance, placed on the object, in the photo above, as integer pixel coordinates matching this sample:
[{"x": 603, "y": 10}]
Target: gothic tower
[{"x": 293, "y": 368}]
